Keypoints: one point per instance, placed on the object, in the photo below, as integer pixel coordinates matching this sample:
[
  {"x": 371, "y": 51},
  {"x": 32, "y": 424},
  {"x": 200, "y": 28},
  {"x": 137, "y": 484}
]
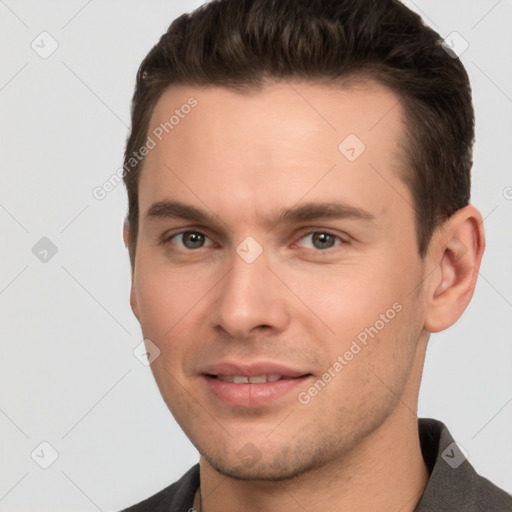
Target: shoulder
[
  {"x": 487, "y": 496},
  {"x": 178, "y": 496},
  {"x": 454, "y": 484}
]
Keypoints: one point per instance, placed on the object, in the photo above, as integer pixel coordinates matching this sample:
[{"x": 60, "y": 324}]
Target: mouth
[
  {"x": 246, "y": 379},
  {"x": 253, "y": 387}
]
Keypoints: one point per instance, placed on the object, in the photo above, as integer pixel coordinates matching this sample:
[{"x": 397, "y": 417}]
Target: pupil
[
  {"x": 323, "y": 240},
  {"x": 193, "y": 240}
]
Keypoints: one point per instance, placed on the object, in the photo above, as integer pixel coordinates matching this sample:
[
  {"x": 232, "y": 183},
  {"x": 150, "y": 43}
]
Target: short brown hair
[{"x": 246, "y": 44}]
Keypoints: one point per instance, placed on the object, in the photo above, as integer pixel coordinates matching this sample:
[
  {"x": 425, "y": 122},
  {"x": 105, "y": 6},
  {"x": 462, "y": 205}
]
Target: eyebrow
[{"x": 171, "y": 209}]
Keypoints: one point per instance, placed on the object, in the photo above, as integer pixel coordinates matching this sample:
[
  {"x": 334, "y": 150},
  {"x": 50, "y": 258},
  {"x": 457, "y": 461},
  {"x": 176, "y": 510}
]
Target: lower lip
[{"x": 253, "y": 395}]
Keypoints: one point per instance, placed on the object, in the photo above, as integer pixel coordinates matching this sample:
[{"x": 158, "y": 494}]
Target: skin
[{"x": 244, "y": 158}]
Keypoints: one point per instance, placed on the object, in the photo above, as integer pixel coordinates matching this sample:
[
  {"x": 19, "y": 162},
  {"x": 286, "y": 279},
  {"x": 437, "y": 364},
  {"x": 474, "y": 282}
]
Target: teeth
[
  {"x": 242, "y": 379},
  {"x": 260, "y": 379}
]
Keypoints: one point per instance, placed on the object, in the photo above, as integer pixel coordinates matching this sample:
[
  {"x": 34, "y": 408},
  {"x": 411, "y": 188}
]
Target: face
[{"x": 277, "y": 270}]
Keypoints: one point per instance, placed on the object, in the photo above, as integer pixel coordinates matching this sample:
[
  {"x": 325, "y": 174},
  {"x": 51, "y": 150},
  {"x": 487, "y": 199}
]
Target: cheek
[
  {"x": 166, "y": 311},
  {"x": 164, "y": 297},
  {"x": 376, "y": 359},
  {"x": 347, "y": 298},
  {"x": 173, "y": 308},
  {"x": 366, "y": 312}
]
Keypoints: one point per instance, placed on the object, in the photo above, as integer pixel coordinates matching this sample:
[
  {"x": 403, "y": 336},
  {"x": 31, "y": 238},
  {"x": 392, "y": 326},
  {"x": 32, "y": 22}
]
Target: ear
[
  {"x": 126, "y": 232},
  {"x": 455, "y": 254},
  {"x": 133, "y": 296}
]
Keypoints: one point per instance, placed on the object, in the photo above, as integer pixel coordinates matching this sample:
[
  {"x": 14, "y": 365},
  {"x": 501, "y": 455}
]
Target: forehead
[
  {"x": 274, "y": 144},
  {"x": 358, "y": 107}
]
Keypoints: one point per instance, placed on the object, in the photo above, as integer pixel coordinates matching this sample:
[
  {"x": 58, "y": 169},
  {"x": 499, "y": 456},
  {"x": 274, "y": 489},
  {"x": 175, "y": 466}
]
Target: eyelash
[{"x": 166, "y": 239}]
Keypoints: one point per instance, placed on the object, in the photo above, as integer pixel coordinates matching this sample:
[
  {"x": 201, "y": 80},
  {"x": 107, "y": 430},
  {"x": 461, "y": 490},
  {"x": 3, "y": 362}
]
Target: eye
[
  {"x": 189, "y": 240},
  {"x": 321, "y": 240}
]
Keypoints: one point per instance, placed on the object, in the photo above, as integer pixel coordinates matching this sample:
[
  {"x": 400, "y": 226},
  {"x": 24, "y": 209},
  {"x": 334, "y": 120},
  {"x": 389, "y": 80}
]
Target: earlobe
[{"x": 457, "y": 255}]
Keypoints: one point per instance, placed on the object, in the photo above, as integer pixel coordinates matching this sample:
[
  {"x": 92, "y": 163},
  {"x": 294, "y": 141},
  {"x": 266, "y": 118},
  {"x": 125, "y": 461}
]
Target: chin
[{"x": 272, "y": 469}]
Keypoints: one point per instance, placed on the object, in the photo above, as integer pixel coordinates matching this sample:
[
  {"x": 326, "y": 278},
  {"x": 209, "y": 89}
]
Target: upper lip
[{"x": 252, "y": 369}]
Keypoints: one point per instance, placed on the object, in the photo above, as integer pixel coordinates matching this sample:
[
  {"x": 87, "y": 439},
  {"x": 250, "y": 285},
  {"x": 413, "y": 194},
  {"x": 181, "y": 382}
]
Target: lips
[
  {"x": 255, "y": 369},
  {"x": 251, "y": 385}
]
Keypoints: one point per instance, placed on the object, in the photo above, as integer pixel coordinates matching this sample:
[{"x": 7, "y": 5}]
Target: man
[{"x": 298, "y": 175}]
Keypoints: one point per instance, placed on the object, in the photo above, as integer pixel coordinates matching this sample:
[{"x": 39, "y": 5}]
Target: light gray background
[{"x": 68, "y": 374}]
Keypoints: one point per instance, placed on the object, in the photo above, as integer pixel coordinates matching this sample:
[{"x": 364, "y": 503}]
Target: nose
[{"x": 250, "y": 298}]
